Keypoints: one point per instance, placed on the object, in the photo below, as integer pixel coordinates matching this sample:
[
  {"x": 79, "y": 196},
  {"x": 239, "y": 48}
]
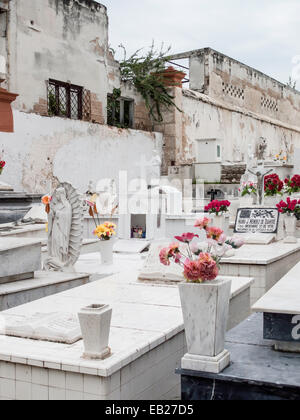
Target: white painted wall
[
  {"x": 205, "y": 118},
  {"x": 72, "y": 151}
]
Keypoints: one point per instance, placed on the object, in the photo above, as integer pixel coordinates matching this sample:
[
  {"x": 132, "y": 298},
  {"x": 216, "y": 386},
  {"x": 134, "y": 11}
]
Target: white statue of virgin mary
[{"x": 64, "y": 229}]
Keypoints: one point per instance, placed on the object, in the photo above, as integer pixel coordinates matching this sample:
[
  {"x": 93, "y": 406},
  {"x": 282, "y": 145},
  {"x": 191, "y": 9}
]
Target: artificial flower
[
  {"x": 202, "y": 223},
  {"x": 214, "y": 233},
  {"x": 186, "y": 237}
]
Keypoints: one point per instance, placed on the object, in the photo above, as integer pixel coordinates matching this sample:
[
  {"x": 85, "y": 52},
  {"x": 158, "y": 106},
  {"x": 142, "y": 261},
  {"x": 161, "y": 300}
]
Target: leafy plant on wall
[
  {"x": 113, "y": 108},
  {"x": 144, "y": 71}
]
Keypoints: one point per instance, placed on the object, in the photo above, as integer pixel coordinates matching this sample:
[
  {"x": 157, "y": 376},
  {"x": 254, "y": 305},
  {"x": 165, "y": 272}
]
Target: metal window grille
[{"x": 68, "y": 101}]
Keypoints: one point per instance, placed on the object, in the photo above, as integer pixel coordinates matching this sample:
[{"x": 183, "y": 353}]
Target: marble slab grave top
[
  {"x": 262, "y": 254},
  {"x": 58, "y": 327},
  {"x": 284, "y": 297},
  {"x": 144, "y": 317},
  {"x": 14, "y": 243}
]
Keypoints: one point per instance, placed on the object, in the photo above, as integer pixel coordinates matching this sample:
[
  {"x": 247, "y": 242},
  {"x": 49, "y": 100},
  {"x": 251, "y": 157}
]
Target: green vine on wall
[
  {"x": 144, "y": 73},
  {"x": 113, "y": 108}
]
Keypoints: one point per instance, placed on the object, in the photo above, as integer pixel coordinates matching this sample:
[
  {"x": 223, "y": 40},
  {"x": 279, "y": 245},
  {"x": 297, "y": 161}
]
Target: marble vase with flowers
[
  {"x": 219, "y": 210},
  {"x": 104, "y": 232},
  {"x": 292, "y": 187},
  {"x": 204, "y": 296},
  {"x": 274, "y": 190},
  {"x": 290, "y": 209},
  {"x": 248, "y": 193}
]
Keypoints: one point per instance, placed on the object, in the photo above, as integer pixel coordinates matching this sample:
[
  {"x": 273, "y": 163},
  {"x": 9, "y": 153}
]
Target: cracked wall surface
[
  {"x": 66, "y": 40},
  {"x": 42, "y": 150},
  {"x": 226, "y": 79}
]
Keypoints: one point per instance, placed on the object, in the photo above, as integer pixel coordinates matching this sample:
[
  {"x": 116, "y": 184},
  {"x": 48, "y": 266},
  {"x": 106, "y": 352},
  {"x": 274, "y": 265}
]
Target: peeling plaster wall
[
  {"x": 226, "y": 79},
  {"x": 44, "y": 149},
  {"x": 65, "y": 40},
  {"x": 205, "y": 118}
]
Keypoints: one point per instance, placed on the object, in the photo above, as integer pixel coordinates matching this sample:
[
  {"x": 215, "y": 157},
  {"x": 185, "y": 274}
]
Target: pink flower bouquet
[{"x": 200, "y": 260}]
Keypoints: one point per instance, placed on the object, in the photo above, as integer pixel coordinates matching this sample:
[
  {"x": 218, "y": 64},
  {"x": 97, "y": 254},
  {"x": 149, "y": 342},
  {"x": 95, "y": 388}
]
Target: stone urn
[
  {"x": 95, "y": 323},
  {"x": 205, "y": 309},
  {"x": 290, "y": 226},
  {"x": 222, "y": 221},
  {"x": 106, "y": 251}
]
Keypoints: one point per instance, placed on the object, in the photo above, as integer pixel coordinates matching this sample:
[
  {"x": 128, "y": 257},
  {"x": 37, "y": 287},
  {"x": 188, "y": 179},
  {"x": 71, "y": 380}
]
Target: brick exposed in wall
[
  {"x": 96, "y": 110},
  {"x": 41, "y": 107},
  {"x": 142, "y": 119},
  {"x": 92, "y": 108}
]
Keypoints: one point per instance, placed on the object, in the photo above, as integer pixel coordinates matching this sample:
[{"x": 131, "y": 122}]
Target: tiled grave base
[
  {"x": 42, "y": 285},
  {"x": 265, "y": 275},
  {"x": 150, "y": 377},
  {"x": 146, "y": 338}
]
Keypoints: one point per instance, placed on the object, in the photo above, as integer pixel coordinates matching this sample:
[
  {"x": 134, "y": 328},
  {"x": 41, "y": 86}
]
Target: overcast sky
[{"x": 264, "y": 34}]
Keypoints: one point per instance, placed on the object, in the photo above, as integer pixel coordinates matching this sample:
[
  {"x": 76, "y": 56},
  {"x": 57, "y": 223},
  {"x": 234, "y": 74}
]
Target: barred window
[{"x": 68, "y": 101}]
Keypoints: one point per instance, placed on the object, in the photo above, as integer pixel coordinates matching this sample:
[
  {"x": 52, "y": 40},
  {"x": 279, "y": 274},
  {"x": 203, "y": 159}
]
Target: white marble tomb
[{"x": 142, "y": 366}]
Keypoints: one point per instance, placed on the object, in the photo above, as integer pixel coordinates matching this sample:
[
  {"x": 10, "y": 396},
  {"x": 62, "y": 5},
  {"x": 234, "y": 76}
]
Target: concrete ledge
[
  {"x": 42, "y": 285},
  {"x": 19, "y": 256}
]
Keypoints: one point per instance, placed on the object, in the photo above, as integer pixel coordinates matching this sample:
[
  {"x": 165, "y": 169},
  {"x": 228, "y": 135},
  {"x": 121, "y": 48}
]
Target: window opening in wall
[
  {"x": 68, "y": 101},
  {"x": 3, "y": 23},
  {"x": 269, "y": 103},
  {"x": 234, "y": 91},
  {"x": 119, "y": 110}
]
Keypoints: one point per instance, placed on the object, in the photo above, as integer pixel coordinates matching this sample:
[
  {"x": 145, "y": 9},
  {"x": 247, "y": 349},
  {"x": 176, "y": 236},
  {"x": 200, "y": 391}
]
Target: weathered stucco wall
[
  {"x": 66, "y": 40},
  {"x": 44, "y": 149},
  {"x": 235, "y": 129},
  {"x": 226, "y": 79}
]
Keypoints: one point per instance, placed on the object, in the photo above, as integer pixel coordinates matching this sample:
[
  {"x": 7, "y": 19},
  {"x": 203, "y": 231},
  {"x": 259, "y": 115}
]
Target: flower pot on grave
[
  {"x": 205, "y": 310},
  {"x": 95, "y": 323},
  {"x": 222, "y": 221},
  {"x": 290, "y": 226},
  {"x": 106, "y": 251}
]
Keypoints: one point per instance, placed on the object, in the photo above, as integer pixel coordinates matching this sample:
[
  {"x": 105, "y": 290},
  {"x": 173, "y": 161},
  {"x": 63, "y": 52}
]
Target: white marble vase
[
  {"x": 222, "y": 221},
  {"x": 95, "y": 323},
  {"x": 290, "y": 225},
  {"x": 205, "y": 310},
  {"x": 106, "y": 251}
]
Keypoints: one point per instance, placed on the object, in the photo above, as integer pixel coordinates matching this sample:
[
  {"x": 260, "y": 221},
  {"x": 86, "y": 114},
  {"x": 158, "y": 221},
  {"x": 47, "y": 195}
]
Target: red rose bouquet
[
  {"x": 217, "y": 207},
  {"x": 273, "y": 185},
  {"x": 2, "y": 164},
  {"x": 289, "y": 207},
  {"x": 292, "y": 185}
]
